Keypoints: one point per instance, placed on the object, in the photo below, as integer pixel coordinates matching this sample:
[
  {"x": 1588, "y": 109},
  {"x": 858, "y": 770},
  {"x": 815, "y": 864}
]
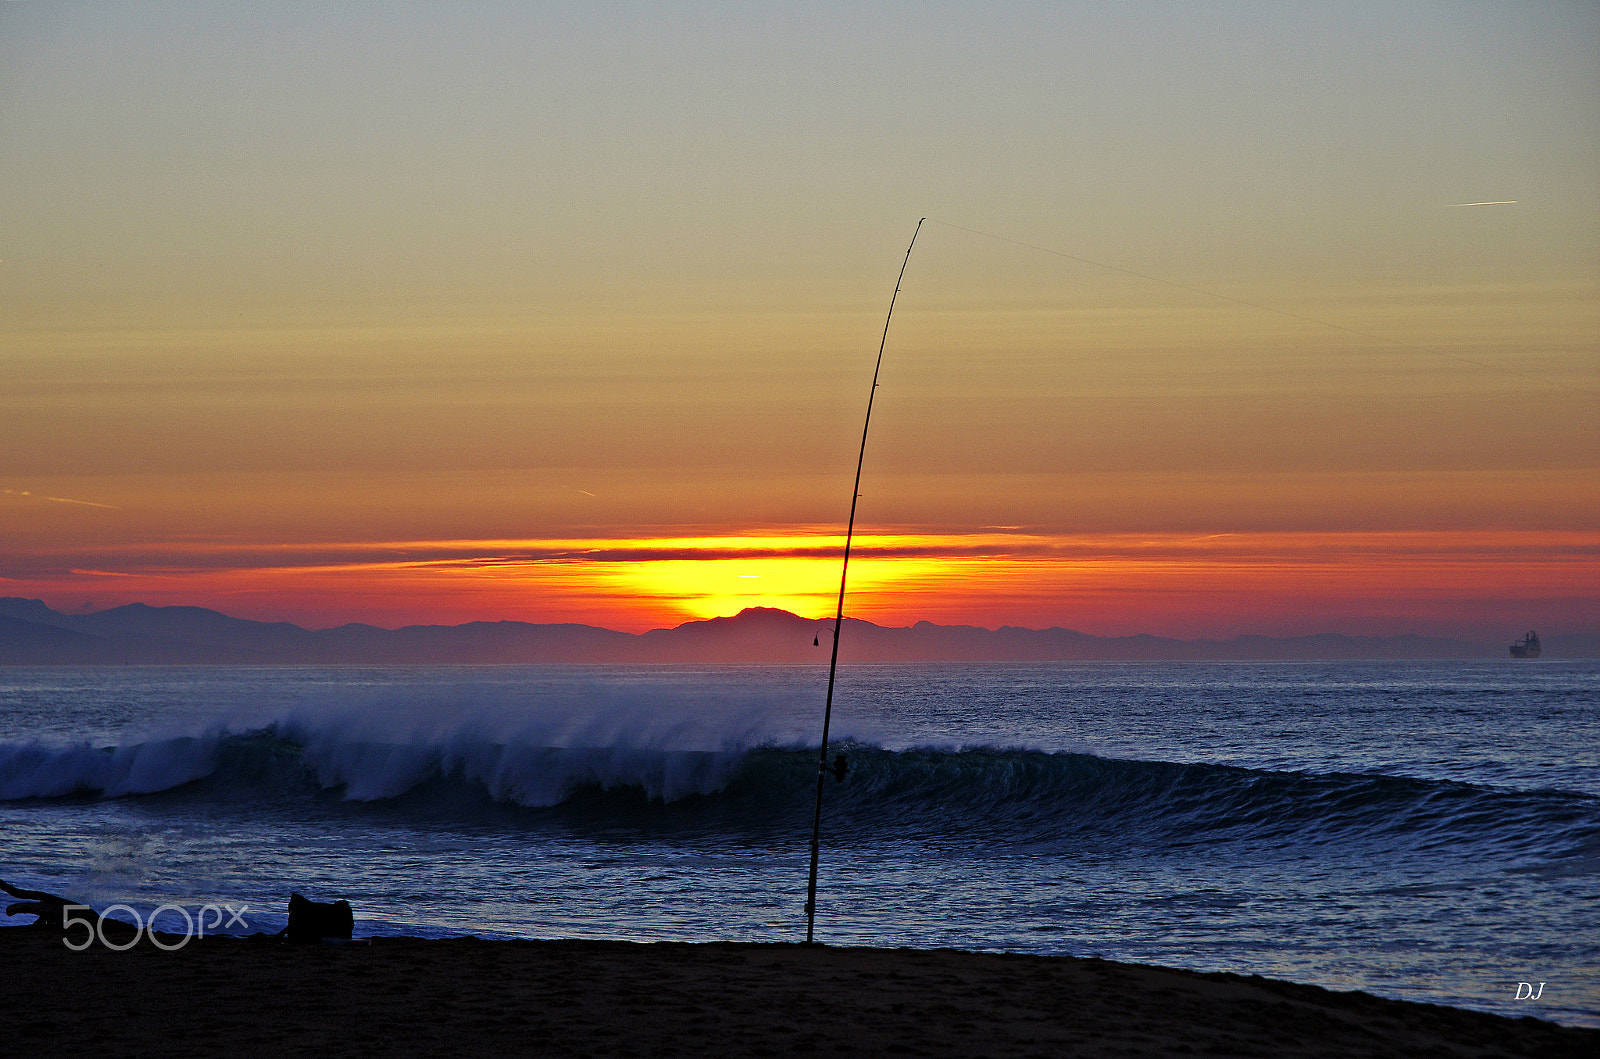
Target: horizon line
[{"x": 822, "y": 620}]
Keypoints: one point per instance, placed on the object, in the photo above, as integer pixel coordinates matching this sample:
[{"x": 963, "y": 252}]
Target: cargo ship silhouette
[{"x": 1527, "y": 647}]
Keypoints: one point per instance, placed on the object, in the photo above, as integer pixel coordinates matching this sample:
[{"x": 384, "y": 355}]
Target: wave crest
[{"x": 660, "y": 770}]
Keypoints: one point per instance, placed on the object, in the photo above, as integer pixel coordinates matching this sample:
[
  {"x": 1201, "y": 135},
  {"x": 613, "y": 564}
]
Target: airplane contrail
[
  {"x": 1496, "y": 202},
  {"x": 58, "y": 499}
]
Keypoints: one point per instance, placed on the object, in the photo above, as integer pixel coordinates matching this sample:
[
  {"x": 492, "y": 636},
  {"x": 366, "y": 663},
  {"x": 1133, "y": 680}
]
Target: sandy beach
[{"x": 469, "y": 997}]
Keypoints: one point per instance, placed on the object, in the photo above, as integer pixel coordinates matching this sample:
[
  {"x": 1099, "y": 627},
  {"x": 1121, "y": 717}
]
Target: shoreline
[{"x": 467, "y": 996}]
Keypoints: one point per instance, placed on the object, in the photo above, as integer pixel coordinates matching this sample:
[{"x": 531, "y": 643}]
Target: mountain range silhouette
[{"x": 32, "y": 633}]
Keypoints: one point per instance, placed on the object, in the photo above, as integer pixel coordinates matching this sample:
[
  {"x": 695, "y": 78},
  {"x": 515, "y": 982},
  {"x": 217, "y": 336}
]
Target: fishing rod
[{"x": 838, "y": 617}]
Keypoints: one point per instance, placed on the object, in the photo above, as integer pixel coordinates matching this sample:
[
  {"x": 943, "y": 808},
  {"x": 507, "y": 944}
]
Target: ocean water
[{"x": 1428, "y": 830}]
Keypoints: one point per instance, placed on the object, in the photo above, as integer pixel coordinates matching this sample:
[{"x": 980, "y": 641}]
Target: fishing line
[
  {"x": 1203, "y": 292},
  {"x": 838, "y": 618}
]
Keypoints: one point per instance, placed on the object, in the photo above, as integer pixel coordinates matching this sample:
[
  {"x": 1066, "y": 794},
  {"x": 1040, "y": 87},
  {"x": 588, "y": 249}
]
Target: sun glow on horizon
[
  {"x": 1106, "y": 584},
  {"x": 808, "y": 585}
]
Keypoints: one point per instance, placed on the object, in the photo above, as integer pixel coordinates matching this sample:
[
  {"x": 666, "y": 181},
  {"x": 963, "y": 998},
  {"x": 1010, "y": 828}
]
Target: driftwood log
[{"x": 50, "y": 908}]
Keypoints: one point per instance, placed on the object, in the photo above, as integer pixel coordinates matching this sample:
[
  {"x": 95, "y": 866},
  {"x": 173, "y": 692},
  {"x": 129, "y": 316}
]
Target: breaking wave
[{"x": 675, "y": 775}]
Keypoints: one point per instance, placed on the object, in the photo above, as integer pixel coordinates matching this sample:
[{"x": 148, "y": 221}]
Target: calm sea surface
[{"x": 1427, "y": 830}]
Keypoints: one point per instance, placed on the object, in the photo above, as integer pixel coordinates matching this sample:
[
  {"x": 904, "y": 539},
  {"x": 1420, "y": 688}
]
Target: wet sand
[{"x": 467, "y": 997}]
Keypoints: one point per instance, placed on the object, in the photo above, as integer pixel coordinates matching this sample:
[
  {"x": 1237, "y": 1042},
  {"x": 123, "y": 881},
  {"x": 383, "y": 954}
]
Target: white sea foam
[
  {"x": 530, "y": 747},
  {"x": 41, "y": 770}
]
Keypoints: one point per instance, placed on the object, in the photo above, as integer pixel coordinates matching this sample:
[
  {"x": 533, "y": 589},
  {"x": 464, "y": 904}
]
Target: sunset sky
[{"x": 1227, "y": 317}]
